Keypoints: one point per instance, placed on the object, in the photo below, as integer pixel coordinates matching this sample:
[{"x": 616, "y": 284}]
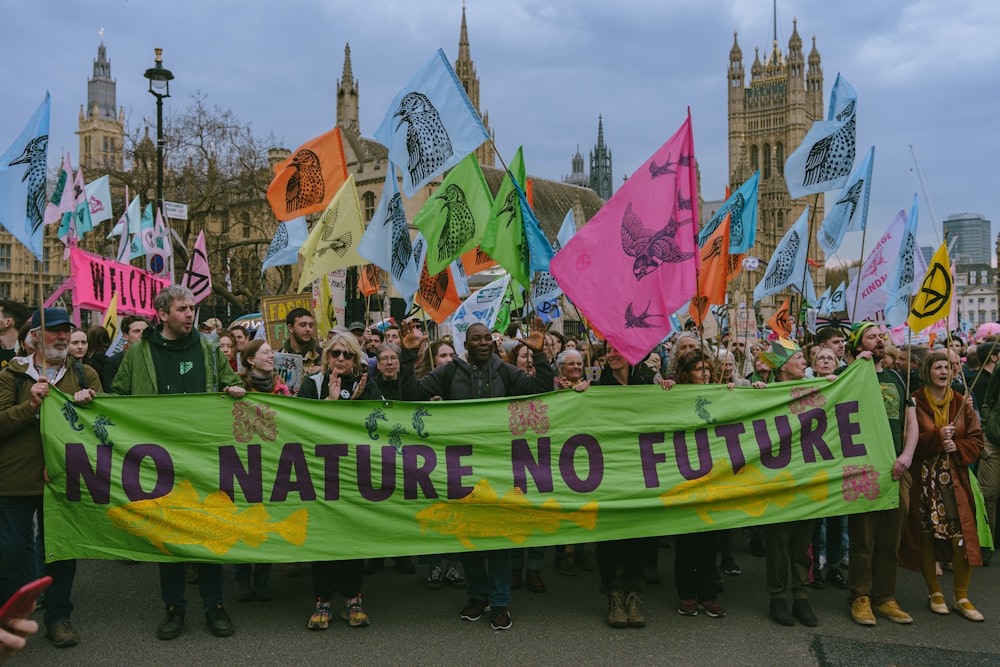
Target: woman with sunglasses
[{"x": 344, "y": 378}]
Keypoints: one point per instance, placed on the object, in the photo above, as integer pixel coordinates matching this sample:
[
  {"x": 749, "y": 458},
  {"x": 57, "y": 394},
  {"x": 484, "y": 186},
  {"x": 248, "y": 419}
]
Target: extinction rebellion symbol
[{"x": 936, "y": 291}]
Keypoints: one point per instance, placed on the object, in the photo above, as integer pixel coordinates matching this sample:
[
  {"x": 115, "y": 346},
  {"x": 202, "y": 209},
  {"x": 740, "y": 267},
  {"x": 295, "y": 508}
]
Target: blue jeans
[
  {"x": 172, "y": 584},
  {"x": 491, "y": 584},
  {"x": 535, "y": 556},
  {"x": 17, "y": 561}
]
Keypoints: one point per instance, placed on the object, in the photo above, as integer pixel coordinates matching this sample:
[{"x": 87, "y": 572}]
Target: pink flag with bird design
[{"x": 634, "y": 263}]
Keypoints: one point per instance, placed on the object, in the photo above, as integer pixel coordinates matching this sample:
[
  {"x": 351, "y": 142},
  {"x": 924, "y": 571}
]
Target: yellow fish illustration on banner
[
  {"x": 483, "y": 514},
  {"x": 181, "y": 518},
  {"x": 723, "y": 491}
]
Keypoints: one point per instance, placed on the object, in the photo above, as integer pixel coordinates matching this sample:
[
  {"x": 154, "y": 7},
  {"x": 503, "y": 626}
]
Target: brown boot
[
  {"x": 635, "y": 617},
  {"x": 617, "y": 618}
]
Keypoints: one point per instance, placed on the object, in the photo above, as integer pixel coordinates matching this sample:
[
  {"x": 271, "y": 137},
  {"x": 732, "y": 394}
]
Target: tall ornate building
[
  {"x": 101, "y": 129},
  {"x": 578, "y": 175},
  {"x": 601, "y": 178},
  {"x": 465, "y": 69},
  {"x": 767, "y": 121}
]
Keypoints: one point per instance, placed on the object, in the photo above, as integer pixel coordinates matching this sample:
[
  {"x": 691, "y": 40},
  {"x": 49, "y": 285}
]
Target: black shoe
[
  {"x": 244, "y": 591},
  {"x": 500, "y": 618},
  {"x": 170, "y": 627},
  {"x": 404, "y": 565},
  {"x": 836, "y": 579},
  {"x": 780, "y": 613},
  {"x": 803, "y": 612},
  {"x": 218, "y": 621}
]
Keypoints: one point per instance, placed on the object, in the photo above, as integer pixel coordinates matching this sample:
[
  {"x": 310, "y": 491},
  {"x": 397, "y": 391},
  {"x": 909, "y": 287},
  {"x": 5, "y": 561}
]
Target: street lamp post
[{"x": 159, "y": 86}]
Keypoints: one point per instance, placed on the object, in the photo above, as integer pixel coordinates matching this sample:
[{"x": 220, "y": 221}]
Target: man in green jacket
[{"x": 173, "y": 358}]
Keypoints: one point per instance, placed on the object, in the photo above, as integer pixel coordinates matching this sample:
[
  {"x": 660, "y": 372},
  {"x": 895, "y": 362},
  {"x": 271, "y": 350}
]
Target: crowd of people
[{"x": 936, "y": 398}]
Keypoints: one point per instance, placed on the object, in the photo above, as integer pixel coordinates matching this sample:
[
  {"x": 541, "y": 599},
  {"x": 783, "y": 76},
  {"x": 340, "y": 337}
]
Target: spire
[
  {"x": 348, "y": 74},
  {"x": 463, "y": 40},
  {"x": 348, "y": 112},
  {"x": 735, "y": 53},
  {"x": 757, "y": 67},
  {"x": 795, "y": 42},
  {"x": 101, "y": 87},
  {"x": 814, "y": 54},
  {"x": 600, "y": 131},
  {"x": 601, "y": 179}
]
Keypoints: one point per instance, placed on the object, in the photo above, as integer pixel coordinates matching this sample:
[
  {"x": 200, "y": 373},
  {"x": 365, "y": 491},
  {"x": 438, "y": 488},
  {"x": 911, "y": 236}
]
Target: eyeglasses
[{"x": 337, "y": 354}]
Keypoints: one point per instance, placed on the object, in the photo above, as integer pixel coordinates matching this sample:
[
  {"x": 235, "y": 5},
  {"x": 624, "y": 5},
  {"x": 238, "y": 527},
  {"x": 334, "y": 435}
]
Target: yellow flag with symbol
[{"x": 933, "y": 301}]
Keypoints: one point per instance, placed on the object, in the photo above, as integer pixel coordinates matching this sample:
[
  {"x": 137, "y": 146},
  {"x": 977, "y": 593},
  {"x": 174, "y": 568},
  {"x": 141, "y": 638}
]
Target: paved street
[{"x": 118, "y": 608}]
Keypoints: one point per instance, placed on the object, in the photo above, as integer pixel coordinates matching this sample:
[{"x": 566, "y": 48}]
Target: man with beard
[
  {"x": 874, "y": 536},
  {"x": 174, "y": 358},
  {"x": 302, "y": 339},
  {"x": 24, "y": 383},
  {"x": 484, "y": 375}
]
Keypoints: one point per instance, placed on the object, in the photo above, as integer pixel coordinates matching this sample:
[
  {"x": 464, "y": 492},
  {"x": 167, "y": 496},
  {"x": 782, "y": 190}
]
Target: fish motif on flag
[
  {"x": 427, "y": 139},
  {"x": 651, "y": 249}
]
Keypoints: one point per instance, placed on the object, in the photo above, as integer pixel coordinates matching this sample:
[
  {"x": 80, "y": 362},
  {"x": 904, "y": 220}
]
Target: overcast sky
[{"x": 926, "y": 72}]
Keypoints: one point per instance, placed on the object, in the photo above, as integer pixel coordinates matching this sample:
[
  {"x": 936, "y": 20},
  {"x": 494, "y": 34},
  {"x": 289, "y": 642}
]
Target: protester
[
  {"x": 873, "y": 537},
  {"x": 483, "y": 375},
  {"x": 832, "y": 337},
  {"x": 78, "y": 345},
  {"x": 302, "y": 339},
  {"x": 131, "y": 329},
  {"x": 240, "y": 335},
  {"x": 98, "y": 342},
  {"x": 373, "y": 337},
  {"x": 941, "y": 522},
  {"x": 174, "y": 358},
  {"x": 392, "y": 334},
  {"x": 13, "y": 316},
  {"x": 24, "y": 383},
  {"x": 387, "y": 358},
  {"x": 344, "y": 377},
  {"x": 520, "y": 356}
]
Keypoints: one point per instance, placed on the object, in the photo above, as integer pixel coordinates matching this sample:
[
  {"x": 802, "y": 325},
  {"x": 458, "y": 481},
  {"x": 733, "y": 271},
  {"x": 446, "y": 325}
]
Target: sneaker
[
  {"x": 320, "y": 619},
  {"x": 731, "y": 567},
  {"x": 218, "y": 621},
  {"x": 635, "y": 617},
  {"x": 244, "y": 591},
  {"x": 474, "y": 609},
  {"x": 687, "y": 608},
  {"x": 435, "y": 578},
  {"x": 355, "y": 614},
  {"x": 965, "y": 608},
  {"x": 500, "y": 618},
  {"x": 454, "y": 577},
  {"x": 861, "y": 611},
  {"x": 802, "y": 610},
  {"x": 780, "y": 613},
  {"x": 170, "y": 627},
  {"x": 890, "y": 609},
  {"x": 712, "y": 608},
  {"x": 62, "y": 635},
  {"x": 534, "y": 581},
  {"x": 404, "y": 565},
  {"x": 564, "y": 566},
  {"x": 617, "y": 618},
  {"x": 837, "y": 579}
]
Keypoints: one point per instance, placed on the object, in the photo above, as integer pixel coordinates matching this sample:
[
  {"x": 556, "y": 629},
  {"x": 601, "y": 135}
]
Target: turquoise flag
[
  {"x": 850, "y": 209},
  {"x": 742, "y": 209},
  {"x": 22, "y": 181}
]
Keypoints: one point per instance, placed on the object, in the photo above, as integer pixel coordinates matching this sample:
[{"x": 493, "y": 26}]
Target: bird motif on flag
[
  {"x": 906, "y": 271},
  {"x": 874, "y": 262},
  {"x": 852, "y": 196},
  {"x": 655, "y": 170},
  {"x": 34, "y": 155},
  {"x": 427, "y": 141},
  {"x": 511, "y": 205},
  {"x": 782, "y": 264},
  {"x": 459, "y": 224},
  {"x": 339, "y": 245},
  {"x": 735, "y": 211},
  {"x": 279, "y": 243},
  {"x": 633, "y": 321},
  {"x": 305, "y": 186},
  {"x": 832, "y": 156},
  {"x": 402, "y": 248},
  {"x": 650, "y": 249},
  {"x": 433, "y": 288}
]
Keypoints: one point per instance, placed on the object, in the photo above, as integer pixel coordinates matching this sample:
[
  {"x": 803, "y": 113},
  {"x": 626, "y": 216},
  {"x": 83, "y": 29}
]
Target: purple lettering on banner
[
  {"x": 812, "y": 438},
  {"x": 132, "y": 468},
  {"x": 292, "y": 459},
  {"x": 732, "y": 433},
  {"x": 523, "y": 462},
  {"x": 595, "y": 463},
  {"x": 97, "y": 479},
  {"x": 457, "y": 472},
  {"x": 684, "y": 458},
  {"x": 419, "y": 462},
  {"x": 650, "y": 459},
  {"x": 365, "y": 484},
  {"x": 331, "y": 455},
  {"x": 767, "y": 456},
  {"x": 848, "y": 430},
  {"x": 250, "y": 478}
]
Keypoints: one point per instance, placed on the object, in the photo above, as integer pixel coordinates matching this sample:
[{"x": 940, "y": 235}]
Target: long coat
[{"x": 969, "y": 441}]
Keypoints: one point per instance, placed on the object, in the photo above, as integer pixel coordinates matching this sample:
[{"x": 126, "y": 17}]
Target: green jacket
[{"x": 137, "y": 374}]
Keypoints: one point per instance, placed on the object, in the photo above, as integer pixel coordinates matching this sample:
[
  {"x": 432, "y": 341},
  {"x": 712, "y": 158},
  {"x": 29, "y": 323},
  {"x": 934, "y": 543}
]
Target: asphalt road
[{"x": 118, "y": 608}]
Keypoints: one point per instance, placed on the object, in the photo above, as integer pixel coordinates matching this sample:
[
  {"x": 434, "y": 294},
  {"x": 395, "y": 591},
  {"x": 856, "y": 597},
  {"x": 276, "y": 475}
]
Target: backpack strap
[{"x": 81, "y": 379}]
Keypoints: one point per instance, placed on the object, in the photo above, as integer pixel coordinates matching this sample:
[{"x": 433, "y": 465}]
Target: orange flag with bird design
[
  {"x": 713, "y": 274},
  {"x": 779, "y": 322},
  {"x": 307, "y": 181}
]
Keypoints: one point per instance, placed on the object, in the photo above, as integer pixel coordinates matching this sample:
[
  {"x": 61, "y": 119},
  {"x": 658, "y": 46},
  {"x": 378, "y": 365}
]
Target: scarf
[
  {"x": 264, "y": 385},
  {"x": 939, "y": 409}
]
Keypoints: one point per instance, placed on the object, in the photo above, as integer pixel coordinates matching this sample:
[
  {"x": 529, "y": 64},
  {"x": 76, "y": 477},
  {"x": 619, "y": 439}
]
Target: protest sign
[
  {"x": 274, "y": 309},
  {"x": 97, "y": 279}
]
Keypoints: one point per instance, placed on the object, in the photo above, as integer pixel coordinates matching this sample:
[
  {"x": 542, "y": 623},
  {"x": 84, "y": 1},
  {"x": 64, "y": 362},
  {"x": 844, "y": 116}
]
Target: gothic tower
[
  {"x": 767, "y": 121},
  {"x": 601, "y": 180},
  {"x": 347, "y": 97},
  {"x": 102, "y": 133},
  {"x": 579, "y": 174},
  {"x": 466, "y": 72}
]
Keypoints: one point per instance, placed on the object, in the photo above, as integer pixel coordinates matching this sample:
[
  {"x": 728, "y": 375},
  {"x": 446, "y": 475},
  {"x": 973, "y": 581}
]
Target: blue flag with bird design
[
  {"x": 742, "y": 209},
  {"x": 22, "y": 181},
  {"x": 545, "y": 288},
  {"x": 902, "y": 277},
  {"x": 431, "y": 124},
  {"x": 386, "y": 242},
  {"x": 788, "y": 261},
  {"x": 850, "y": 210},
  {"x": 284, "y": 248},
  {"x": 823, "y": 160}
]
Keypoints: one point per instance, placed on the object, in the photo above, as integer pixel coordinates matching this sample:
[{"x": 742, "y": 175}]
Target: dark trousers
[
  {"x": 628, "y": 555},
  {"x": 172, "y": 583},
  {"x": 694, "y": 566},
  {"x": 17, "y": 561},
  {"x": 874, "y": 548},
  {"x": 349, "y": 574},
  {"x": 787, "y": 547}
]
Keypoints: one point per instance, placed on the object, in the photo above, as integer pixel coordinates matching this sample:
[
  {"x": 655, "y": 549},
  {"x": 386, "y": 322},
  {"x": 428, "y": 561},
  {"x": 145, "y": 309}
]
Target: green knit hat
[{"x": 781, "y": 351}]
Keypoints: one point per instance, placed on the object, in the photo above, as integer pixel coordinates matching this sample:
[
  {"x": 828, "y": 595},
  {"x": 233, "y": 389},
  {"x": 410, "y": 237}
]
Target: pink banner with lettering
[{"x": 96, "y": 279}]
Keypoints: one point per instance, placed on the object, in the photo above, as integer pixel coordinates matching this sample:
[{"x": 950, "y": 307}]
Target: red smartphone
[{"x": 22, "y": 603}]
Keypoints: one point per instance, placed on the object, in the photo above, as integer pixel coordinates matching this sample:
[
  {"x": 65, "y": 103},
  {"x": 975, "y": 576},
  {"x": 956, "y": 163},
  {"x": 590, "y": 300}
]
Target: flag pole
[
  {"x": 857, "y": 288},
  {"x": 805, "y": 268}
]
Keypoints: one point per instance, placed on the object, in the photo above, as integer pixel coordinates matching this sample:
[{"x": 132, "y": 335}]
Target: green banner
[{"x": 279, "y": 479}]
